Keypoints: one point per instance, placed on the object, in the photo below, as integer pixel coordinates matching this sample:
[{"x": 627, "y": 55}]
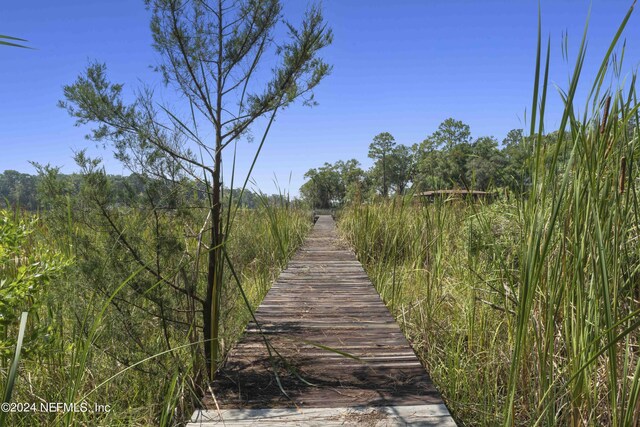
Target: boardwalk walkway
[{"x": 324, "y": 299}]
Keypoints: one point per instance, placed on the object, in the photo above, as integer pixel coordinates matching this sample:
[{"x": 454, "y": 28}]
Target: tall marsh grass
[
  {"x": 527, "y": 312},
  {"x": 108, "y": 348},
  {"x": 431, "y": 266}
]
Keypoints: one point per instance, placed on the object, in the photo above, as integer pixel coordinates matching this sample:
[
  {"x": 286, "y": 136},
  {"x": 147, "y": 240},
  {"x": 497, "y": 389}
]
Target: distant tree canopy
[
  {"x": 379, "y": 150},
  {"x": 449, "y": 158},
  {"x": 32, "y": 192},
  {"x": 332, "y": 184},
  {"x": 18, "y": 189}
]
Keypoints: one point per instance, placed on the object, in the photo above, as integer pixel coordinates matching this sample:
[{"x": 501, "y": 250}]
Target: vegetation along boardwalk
[{"x": 324, "y": 299}]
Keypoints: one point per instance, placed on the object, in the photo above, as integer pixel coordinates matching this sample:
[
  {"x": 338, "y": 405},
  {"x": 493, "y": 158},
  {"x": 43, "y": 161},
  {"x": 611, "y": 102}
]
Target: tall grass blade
[{"x": 13, "y": 371}]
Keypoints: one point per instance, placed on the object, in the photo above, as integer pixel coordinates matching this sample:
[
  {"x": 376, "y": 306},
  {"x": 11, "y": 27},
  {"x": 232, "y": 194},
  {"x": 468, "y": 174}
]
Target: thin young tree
[{"x": 214, "y": 54}]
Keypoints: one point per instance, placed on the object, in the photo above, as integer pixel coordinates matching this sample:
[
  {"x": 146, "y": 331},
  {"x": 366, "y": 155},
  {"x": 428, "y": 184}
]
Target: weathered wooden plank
[
  {"x": 415, "y": 415},
  {"x": 322, "y": 307}
]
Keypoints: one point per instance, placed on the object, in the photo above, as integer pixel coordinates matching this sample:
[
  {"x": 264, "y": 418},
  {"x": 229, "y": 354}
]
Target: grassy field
[
  {"x": 101, "y": 331},
  {"x": 429, "y": 267},
  {"x": 455, "y": 276}
]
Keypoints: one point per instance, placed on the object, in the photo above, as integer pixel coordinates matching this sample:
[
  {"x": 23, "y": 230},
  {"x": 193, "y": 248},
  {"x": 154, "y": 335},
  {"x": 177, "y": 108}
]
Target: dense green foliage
[
  {"x": 330, "y": 185},
  {"x": 27, "y": 267},
  {"x": 111, "y": 289},
  {"x": 448, "y": 158},
  {"x": 381, "y": 147},
  {"x": 21, "y": 189}
]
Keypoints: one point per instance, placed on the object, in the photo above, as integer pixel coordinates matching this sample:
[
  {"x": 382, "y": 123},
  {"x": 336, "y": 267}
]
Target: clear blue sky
[{"x": 399, "y": 66}]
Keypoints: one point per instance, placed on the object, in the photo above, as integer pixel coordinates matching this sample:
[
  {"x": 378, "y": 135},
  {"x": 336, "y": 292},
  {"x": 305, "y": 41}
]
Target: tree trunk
[
  {"x": 384, "y": 176},
  {"x": 215, "y": 266},
  {"x": 214, "y": 274}
]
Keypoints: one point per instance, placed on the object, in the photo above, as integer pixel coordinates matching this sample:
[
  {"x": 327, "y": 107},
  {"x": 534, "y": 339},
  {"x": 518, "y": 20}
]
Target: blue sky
[{"x": 401, "y": 67}]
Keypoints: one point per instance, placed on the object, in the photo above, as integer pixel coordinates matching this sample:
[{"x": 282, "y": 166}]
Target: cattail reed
[
  {"x": 607, "y": 104},
  {"x": 623, "y": 170}
]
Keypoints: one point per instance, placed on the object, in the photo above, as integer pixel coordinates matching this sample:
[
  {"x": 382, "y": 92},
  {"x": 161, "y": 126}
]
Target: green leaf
[
  {"x": 3, "y": 41},
  {"x": 13, "y": 371}
]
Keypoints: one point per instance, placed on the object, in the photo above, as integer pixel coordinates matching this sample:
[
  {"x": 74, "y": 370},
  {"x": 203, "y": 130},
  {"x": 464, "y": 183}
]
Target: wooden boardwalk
[{"x": 323, "y": 299}]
